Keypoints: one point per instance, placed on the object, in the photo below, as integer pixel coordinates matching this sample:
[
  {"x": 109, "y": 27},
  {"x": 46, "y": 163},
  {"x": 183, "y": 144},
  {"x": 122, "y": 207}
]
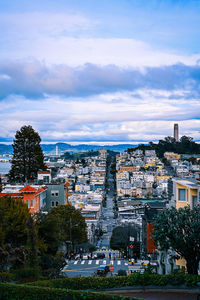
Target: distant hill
[
  {"x": 185, "y": 145},
  {"x": 84, "y": 147},
  {"x": 63, "y": 147}
]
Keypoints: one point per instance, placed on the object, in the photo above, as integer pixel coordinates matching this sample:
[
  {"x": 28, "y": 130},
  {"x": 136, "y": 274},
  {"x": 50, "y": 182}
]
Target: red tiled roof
[
  {"x": 28, "y": 189},
  {"x": 40, "y": 190}
]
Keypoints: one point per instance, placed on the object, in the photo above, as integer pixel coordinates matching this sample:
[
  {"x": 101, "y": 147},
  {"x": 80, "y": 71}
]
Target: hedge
[
  {"x": 9, "y": 291},
  {"x": 95, "y": 283}
]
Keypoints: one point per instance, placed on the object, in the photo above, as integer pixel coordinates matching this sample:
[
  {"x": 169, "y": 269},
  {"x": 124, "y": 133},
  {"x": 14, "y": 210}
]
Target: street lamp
[{"x": 70, "y": 233}]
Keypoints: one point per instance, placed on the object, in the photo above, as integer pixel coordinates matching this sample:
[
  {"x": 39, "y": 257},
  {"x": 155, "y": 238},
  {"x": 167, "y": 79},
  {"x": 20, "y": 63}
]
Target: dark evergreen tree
[
  {"x": 13, "y": 217},
  {"x": 27, "y": 155},
  {"x": 120, "y": 238}
]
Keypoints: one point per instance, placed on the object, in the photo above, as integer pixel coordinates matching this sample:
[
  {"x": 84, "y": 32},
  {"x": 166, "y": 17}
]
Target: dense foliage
[
  {"x": 186, "y": 145},
  {"x": 120, "y": 281},
  {"x": 120, "y": 239},
  {"x": 13, "y": 217},
  {"x": 27, "y": 156},
  {"x": 25, "y": 292},
  {"x": 180, "y": 230},
  {"x": 63, "y": 225},
  {"x": 31, "y": 243},
  {"x": 72, "y": 226}
]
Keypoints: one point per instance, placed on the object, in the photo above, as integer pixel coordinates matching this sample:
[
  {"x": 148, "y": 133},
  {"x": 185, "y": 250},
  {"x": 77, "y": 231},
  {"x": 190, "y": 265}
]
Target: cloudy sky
[{"x": 100, "y": 71}]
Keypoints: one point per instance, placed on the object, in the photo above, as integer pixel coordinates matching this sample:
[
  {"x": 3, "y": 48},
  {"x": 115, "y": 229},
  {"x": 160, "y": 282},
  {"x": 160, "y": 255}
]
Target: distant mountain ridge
[{"x": 63, "y": 147}]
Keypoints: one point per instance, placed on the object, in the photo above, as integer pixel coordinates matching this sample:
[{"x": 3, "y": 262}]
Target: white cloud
[
  {"x": 78, "y": 51},
  {"x": 96, "y": 118},
  {"x": 68, "y": 38}
]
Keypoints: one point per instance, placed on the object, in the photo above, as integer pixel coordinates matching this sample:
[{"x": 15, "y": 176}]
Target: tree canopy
[
  {"x": 72, "y": 226},
  {"x": 180, "y": 230},
  {"x": 27, "y": 155},
  {"x": 185, "y": 145},
  {"x": 14, "y": 215},
  {"x": 120, "y": 239}
]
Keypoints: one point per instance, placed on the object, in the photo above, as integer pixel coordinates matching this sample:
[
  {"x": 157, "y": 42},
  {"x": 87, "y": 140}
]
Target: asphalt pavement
[
  {"x": 159, "y": 295},
  {"x": 88, "y": 267}
]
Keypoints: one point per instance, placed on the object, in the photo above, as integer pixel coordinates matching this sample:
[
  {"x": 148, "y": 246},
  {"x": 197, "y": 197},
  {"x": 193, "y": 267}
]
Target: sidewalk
[{"x": 158, "y": 295}]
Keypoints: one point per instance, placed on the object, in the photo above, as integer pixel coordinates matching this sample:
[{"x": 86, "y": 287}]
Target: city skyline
[{"x": 98, "y": 72}]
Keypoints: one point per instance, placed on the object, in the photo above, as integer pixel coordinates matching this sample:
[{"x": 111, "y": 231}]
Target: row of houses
[
  {"x": 37, "y": 197},
  {"x": 140, "y": 175}
]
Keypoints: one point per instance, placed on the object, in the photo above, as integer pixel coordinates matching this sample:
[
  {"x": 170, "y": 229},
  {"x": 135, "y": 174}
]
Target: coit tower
[{"x": 176, "y": 132}]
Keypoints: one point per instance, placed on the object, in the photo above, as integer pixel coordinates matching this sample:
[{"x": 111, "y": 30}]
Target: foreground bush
[
  {"x": 6, "y": 276},
  {"x": 24, "y": 292},
  {"x": 27, "y": 274},
  {"x": 121, "y": 273},
  {"x": 119, "y": 281}
]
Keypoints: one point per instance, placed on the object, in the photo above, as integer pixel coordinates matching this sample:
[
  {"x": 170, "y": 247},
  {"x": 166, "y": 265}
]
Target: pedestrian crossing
[{"x": 99, "y": 262}]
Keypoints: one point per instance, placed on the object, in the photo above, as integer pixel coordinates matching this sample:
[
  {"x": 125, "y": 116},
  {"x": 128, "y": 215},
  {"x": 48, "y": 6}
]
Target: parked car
[
  {"x": 85, "y": 256},
  {"x": 100, "y": 255},
  {"x": 103, "y": 270}
]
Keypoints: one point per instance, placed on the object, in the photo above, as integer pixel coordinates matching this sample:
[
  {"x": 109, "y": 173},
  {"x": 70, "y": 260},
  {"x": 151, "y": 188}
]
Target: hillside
[{"x": 64, "y": 147}]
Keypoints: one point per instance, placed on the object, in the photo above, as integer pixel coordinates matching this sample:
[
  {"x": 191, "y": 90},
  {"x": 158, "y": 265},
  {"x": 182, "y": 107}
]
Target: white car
[{"x": 85, "y": 256}]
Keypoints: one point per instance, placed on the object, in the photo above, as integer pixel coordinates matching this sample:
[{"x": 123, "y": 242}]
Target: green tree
[
  {"x": 72, "y": 226},
  {"x": 48, "y": 229},
  {"x": 32, "y": 242},
  {"x": 180, "y": 230},
  {"x": 13, "y": 232},
  {"x": 185, "y": 145},
  {"x": 48, "y": 232},
  {"x": 120, "y": 238},
  {"x": 27, "y": 155},
  {"x": 13, "y": 217}
]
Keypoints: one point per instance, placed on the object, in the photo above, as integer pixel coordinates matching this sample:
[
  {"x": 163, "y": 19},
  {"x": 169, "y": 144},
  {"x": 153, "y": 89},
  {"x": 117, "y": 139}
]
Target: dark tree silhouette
[
  {"x": 27, "y": 156},
  {"x": 179, "y": 229}
]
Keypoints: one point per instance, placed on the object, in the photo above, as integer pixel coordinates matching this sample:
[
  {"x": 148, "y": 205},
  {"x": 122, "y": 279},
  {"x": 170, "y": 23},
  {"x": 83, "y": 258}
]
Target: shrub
[
  {"x": 121, "y": 273},
  {"x": 191, "y": 280},
  {"x": 5, "y": 276},
  {"x": 25, "y": 292},
  {"x": 27, "y": 274},
  {"x": 96, "y": 283}
]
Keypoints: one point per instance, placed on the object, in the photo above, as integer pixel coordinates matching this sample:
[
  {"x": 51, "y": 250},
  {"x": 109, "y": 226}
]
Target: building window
[
  {"x": 52, "y": 203},
  {"x": 56, "y": 203},
  {"x": 182, "y": 195},
  {"x": 54, "y": 193},
  {"x": 46, "y": 179},
  {"x": 31, "y": 203},
  {"x": 194, "y": 201}
]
